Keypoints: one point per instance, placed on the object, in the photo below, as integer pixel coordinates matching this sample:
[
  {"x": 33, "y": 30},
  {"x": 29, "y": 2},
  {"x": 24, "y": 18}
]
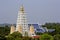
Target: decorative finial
[{"x": 22, "y": 9}]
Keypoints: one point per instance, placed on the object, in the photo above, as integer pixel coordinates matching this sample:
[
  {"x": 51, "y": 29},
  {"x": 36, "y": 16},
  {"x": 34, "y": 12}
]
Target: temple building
[{"x": 22, "y": 24}]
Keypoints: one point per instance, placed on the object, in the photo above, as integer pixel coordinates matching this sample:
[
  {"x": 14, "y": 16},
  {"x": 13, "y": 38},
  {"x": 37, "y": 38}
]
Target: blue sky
[{"x": 38, "y": 11}]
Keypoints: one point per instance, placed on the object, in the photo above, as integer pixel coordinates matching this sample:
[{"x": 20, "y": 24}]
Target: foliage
[
  {"x": 46, "y": 37},
  {"x": 2, "y": 37},
  {"x": 3, "y": 32},
  {"x": 55, "y": 26},
  {"x": 17, "y": 36},
  {"x": 26, "y": 38},
  {"x": 14, "y": 36},
  {"x": 57, "y": 37}
]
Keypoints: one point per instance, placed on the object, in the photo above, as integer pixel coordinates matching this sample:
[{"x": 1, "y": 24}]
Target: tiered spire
[{"x": 22, "y": 25}]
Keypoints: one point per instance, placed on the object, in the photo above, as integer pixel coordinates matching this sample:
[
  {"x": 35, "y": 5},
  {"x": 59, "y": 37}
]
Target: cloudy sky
[{"x": 38, "y": 11}]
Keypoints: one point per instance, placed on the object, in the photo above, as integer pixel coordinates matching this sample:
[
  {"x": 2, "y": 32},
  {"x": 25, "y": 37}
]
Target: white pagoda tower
[{"x": 22, "y": 25}]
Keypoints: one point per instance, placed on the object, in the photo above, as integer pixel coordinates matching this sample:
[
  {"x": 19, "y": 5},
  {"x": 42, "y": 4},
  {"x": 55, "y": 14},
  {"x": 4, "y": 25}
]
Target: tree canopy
[{"x": 55, "y": 26}]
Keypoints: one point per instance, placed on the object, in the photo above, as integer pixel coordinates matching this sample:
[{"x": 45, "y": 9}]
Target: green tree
[
  {"x": 55, "y": 26},
  {"x": 3, "y": 32},
  {"x": 46, "y": 37},
  {"x": 14, "y": 36},
  {"x": 6, "y": 30},
  {"x": 57, "y": 37},
  {"x": 2, "y": 37}
]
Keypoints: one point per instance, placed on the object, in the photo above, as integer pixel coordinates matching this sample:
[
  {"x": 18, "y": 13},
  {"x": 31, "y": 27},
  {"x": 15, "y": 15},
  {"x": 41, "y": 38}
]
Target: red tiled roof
[{"x": 36, "y": 36}]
